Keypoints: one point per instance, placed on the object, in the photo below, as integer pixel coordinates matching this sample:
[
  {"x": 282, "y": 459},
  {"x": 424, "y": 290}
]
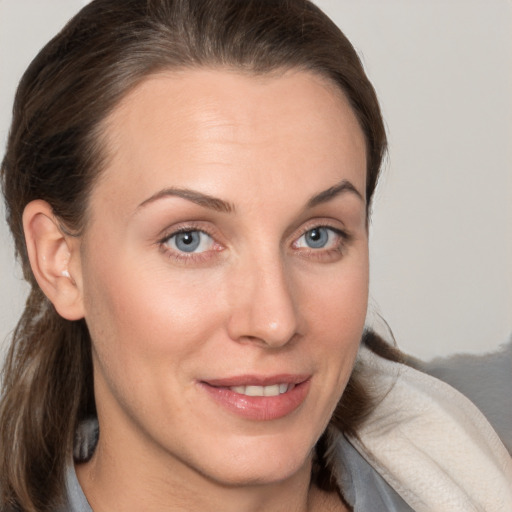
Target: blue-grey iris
[
  {"x": 317, "y": 238},
  {"x": 188, "y": 241}
]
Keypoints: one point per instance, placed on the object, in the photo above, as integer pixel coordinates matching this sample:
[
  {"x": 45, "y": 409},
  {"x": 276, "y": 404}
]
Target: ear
[{"x": 55, "y": 259}]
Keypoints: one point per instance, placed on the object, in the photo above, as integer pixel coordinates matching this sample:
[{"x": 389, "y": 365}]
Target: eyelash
[{"x": 203, "y": 257}]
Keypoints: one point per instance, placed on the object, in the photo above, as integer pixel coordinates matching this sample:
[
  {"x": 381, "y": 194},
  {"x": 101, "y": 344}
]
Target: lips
[{"x": 259, "y": 398}]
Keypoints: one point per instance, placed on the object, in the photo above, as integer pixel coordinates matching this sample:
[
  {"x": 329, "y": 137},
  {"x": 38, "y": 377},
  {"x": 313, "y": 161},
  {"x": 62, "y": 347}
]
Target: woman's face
[{"x": 224, "y": 272}]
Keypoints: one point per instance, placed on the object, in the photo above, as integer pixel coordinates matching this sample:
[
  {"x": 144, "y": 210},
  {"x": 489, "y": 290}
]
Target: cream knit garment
[{"x": 431, "y": 444}]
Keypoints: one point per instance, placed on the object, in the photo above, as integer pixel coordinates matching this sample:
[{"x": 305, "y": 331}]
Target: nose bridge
[{"x": 264, "y": 306}]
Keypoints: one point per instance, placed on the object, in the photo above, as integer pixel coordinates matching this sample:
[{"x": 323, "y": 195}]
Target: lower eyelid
[{"x": 184, "y": 258}]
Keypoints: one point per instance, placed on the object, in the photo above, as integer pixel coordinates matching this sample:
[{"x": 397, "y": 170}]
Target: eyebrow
[
  {"x": 213, "y": 203},
  {"x": 334, "y": 191},
  {"x": 219, "y": 205}
]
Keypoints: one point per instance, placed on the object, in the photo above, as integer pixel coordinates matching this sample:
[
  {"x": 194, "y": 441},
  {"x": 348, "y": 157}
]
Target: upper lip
[{"x": 257, "y": 380}]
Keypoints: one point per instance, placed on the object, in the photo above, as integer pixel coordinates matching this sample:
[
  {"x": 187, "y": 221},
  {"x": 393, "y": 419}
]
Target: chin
[{"x": 259, "y": 461}]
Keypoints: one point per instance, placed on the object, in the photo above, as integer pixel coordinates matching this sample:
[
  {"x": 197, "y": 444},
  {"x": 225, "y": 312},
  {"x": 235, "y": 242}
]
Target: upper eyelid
[
  {"x": 168, "y": 233},
  {"x": 335, "y": 225},
  {"x": 326, "y": 226},
  {"x": 185, "y": 230}
]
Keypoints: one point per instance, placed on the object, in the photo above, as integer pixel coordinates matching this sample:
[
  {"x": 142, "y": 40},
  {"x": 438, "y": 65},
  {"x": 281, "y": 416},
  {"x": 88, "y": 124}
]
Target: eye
[
  {"x": 193, "y": 241},
  {"x": 320, "y": 237}
]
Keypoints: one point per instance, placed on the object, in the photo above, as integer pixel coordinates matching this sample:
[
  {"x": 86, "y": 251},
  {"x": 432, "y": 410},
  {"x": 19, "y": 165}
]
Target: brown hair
[{"x": 55, "y": 153}]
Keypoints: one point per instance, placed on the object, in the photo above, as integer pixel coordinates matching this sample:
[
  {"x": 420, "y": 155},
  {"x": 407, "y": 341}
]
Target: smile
[{"x": 259, "y": 398}]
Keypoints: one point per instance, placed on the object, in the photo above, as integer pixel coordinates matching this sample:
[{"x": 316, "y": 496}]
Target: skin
[{"x": 255, "y": 299}]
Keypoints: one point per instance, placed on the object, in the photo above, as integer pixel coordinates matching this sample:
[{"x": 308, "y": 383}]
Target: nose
[{"x": 264, "y": 309}]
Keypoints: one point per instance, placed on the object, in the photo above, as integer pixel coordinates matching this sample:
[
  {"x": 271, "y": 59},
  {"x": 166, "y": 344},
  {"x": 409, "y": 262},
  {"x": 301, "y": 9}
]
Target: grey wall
[{"x": 441, "y": 236}]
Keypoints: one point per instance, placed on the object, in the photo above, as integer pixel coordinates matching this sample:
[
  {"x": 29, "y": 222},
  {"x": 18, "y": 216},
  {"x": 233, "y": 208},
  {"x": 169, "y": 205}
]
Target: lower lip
[{"x": 260, "y": 408}]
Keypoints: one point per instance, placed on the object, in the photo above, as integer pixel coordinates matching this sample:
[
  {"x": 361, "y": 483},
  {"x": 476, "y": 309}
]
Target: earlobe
[{"x": 54, "y": 258}]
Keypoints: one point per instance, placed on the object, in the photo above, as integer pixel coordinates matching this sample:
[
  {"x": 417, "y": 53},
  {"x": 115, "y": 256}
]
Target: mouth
[{"x": 259, "y": 398}]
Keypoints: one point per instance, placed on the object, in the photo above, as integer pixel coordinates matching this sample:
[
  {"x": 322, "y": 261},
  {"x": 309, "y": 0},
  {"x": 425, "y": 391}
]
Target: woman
[{"x": 188, "y": 185}]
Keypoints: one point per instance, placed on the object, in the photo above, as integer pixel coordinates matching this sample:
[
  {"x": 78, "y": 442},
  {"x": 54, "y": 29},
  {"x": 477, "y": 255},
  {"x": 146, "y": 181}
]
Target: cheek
[
  {"x": 337, "y": 308},
  {"x": 338, "y": 300},
  {"x": 138, "y": 315}
]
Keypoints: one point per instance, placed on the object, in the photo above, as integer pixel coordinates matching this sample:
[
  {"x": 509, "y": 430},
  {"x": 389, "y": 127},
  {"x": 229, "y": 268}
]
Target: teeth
[
  {"x": 271, "y": 390},
  {"x": 274, "y": 390},
  {"x": 254, "y": 391}
]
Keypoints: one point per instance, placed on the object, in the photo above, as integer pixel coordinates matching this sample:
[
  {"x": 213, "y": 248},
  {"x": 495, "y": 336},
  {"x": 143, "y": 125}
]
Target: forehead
[{"x": 203, "y": 128}]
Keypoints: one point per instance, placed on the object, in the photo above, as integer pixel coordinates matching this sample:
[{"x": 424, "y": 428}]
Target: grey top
[{"x": 363, "y": 488}]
